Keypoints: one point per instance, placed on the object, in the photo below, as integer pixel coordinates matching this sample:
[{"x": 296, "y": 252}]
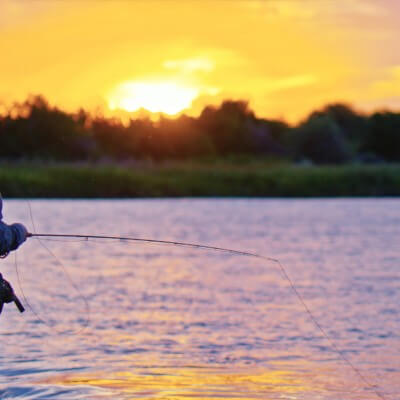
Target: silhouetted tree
[
  {"x": 182, "y": 138},
  {"x": 321, "y": 140},
  {"x": 269, "y": 137},
  {"x": 228, "y": 127},
  {"x": 43, "y": 132},
  {"x": 353, "y": 125},
  {"x": 384, "y": 135},
  {"x": 334, "y": 134},
  {"x": 113, "y": 138}
]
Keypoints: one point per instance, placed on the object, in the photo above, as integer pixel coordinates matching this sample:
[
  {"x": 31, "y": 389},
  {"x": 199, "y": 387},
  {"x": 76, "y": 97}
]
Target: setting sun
[
  {"x": 286, "y": 58},
  {"x": 157, "y": 97}
]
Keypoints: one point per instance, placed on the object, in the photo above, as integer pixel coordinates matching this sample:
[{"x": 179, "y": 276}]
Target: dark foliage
[
  {"x": 35, "y": 130},
  {"x": 384, "y": 136},
  {"x": 332, "y": 135},
  {"x": 321, "y": 140},
  {"x": 354, "y": 126}
]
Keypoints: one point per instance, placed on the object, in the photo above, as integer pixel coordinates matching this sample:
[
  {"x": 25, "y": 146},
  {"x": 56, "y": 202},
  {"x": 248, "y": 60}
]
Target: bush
[
  {"x": 321, "y": 140},
  {"x": 384, "y": 136}
]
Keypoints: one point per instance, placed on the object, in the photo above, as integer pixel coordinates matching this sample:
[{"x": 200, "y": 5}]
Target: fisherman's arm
[{"x": 11, "y": 237}]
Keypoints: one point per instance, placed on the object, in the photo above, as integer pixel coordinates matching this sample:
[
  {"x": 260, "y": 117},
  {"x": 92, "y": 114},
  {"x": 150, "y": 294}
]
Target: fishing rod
[
  {"x": 154, "y": 241},
  {"x": 314, "y": 320}
]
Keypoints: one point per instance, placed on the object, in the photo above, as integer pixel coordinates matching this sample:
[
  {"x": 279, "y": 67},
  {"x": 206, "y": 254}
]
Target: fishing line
[
  {"x": 66, "y": 273},
  {"x": 27, "y": 303},
  {"x": 286, "y": 276},
  {"x": 24, "y": 297}
]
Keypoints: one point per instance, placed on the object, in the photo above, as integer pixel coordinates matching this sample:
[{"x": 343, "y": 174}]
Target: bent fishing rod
[
  {"x": 314, "y": 320},
  {"x": 143, "y": 240}
]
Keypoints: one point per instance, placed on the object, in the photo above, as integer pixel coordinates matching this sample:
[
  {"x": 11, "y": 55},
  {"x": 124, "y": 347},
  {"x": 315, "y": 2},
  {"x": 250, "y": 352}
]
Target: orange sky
[{"x": 286, "y": 57}]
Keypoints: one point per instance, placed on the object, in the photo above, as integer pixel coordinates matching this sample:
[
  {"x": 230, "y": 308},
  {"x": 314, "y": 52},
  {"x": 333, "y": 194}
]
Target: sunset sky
[{"x": 286, "y": 57}]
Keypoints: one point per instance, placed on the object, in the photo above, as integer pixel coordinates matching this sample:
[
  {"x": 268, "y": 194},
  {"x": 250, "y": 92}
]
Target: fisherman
[{"x": 11, "y": 237}]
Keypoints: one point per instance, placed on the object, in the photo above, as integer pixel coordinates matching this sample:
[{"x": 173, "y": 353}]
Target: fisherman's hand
[
  {"x": 21, "y": 233},
  {"x": 7, "y": 295}
]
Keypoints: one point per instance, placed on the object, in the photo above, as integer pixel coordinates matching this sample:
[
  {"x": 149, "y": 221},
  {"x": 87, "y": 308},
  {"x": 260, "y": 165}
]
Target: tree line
[{"x": 335, "y": 134}]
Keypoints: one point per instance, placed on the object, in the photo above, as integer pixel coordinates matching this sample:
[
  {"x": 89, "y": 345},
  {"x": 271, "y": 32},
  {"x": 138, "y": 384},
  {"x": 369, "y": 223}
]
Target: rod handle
[{"x": 19, "y": 305}]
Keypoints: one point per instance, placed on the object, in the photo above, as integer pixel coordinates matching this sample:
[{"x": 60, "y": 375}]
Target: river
[{"x": 116, "y": 320}]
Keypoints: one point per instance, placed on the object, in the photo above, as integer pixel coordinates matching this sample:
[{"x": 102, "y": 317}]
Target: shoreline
[{"x": 31, "y": 180}]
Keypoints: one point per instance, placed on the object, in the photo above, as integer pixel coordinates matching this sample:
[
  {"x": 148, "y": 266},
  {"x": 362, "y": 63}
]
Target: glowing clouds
[
  {"x": 157, "y": 97},
  {"x": 190, "y": 65}
]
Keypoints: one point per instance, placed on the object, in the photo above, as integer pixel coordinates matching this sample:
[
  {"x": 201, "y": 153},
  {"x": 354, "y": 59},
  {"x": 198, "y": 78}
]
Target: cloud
[
  {"x": 338, "y": 12},
  {"x": 190, "y": 65},
  {"x": 15, "y": 13},
  {"x": 290, "y": 82},
  {"x": 389, "y": 86}
]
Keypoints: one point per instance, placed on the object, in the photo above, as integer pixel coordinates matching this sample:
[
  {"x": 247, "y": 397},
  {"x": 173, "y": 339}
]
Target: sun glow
[{"x": 157, "y": 97}]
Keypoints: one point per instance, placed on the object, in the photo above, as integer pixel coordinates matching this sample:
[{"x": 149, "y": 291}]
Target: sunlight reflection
[{"x": 159, "y": 383}]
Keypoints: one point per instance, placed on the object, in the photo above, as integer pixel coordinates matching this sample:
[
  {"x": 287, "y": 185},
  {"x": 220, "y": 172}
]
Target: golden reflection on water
[{"x": 183, "y": 383}]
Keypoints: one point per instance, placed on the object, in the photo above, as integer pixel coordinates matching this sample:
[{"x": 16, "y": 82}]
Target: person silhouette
[{"x": 11, "y": 237}]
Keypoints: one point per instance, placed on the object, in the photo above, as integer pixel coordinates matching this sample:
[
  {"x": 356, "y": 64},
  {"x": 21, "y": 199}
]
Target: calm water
[{"x": 173, "y": 323}]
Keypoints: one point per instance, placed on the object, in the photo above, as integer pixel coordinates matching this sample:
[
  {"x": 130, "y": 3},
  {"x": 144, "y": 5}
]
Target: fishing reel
[{"x": 7, "y": 295}]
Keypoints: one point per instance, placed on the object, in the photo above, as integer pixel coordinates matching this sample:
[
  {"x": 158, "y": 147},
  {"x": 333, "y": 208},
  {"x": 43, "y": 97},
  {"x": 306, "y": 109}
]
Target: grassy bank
[{"x": 254, "y": 179}]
